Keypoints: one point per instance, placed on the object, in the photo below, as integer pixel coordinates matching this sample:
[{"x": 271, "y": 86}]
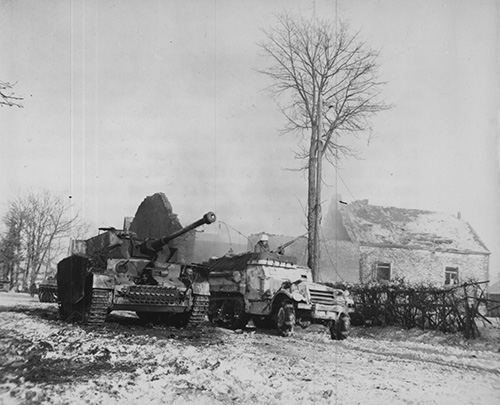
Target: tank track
[
  {"x": 98, "y": 308},
  {"x": 47, "y": 295},
  {"x": 199, "y": 311}
]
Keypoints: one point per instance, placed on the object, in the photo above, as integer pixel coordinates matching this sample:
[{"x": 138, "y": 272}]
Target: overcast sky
[{"x": 126, "y": 98}]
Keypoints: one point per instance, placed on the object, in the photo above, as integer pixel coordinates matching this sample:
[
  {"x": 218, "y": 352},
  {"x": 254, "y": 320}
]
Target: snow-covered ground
[{"x": 43, "y": 360}]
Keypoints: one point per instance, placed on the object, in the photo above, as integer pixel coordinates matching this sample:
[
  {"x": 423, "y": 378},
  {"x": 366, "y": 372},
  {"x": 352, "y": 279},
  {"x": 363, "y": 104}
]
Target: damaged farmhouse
[{"x": 365, "y": 243}]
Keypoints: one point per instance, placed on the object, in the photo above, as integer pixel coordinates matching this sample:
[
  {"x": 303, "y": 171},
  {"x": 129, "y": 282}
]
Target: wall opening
[
  {"x": 451, "y": 276},
  {"x": 382, "y": 271}
]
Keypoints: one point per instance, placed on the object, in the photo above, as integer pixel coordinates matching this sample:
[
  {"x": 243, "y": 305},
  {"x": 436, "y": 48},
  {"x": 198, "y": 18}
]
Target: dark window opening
[
  {"x": 451, "y": 276},
  {"x": 383, "y": 271}
]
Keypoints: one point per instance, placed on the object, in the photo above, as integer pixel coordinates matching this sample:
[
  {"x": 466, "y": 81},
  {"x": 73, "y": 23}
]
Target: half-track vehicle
[
  {"x": 273, "y": 291},
  {"x": 47, "y": 290},
  {"x": 120, "y": 271}
]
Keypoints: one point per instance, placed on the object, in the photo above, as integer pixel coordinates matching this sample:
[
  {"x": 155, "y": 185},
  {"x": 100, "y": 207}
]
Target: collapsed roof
[{"x": 409, "y": 228}]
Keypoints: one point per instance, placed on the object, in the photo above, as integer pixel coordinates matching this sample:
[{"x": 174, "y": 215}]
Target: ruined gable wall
[
  {"x": 422, "y": 265},
  {"x": 339, "y": 262}
]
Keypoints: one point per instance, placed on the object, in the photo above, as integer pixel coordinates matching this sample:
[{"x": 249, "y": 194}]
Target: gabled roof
[{"x": 409, "y": 228}]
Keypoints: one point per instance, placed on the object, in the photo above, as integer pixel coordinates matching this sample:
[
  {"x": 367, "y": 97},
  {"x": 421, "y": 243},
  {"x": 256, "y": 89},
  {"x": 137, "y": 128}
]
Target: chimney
[
  {"x": 127, "y": 221},
  {"x": 459, "y": 215}
]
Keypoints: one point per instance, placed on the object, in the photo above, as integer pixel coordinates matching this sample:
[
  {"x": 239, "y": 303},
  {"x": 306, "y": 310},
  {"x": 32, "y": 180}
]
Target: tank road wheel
[
  {"x": 339, "y": 330},
  {"x": 285, "y": 318},
  {"x": 199, "y": 311},
  {"x": 98, "y": 306}
]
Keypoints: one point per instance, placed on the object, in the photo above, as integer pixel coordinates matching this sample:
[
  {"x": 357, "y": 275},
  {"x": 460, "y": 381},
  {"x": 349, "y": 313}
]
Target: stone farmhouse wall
[{"x": 417, "y": 266}]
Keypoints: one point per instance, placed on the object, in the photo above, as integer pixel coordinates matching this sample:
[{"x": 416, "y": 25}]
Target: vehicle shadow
[
  {"x": 125, "y": 322},
  {"x": 48, "y": 312}
]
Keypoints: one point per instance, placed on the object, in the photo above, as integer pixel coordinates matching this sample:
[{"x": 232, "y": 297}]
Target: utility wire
[
  {"x": 346, "y": 186},
  {"x": 330, "y": 257},
  {"x": 234, "y": 229}
]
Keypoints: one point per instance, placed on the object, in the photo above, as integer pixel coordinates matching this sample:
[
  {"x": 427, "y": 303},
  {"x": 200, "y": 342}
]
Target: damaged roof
[{"x": 409, "y": 228}]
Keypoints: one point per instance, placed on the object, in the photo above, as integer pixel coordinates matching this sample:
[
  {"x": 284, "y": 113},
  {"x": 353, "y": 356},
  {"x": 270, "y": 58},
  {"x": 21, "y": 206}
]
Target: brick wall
[{"x": 422, "y": 265}]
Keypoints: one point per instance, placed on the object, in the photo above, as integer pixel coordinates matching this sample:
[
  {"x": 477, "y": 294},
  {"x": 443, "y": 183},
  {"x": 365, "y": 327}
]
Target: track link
[
  {"x": 98, "y": 308},
  {"x": 199, "y": 311}
]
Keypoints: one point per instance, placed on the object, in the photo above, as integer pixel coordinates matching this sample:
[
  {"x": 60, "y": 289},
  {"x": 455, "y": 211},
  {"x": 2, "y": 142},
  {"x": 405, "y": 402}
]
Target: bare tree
[
  {"x": 10, "y": 251},
  {"x": 8, "y": 97},
  {"x": 37, "y": 223},
  {"x": 326, "y": 82}
]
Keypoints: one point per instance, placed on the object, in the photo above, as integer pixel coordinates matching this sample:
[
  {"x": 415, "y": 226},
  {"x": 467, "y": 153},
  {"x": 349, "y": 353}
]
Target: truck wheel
[
  {"x": 285, "y": 318},
  {"x": 339, "y": 330}
]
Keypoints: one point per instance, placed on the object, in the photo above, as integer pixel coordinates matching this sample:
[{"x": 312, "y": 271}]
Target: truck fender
[{"x": 295, "y": 296}]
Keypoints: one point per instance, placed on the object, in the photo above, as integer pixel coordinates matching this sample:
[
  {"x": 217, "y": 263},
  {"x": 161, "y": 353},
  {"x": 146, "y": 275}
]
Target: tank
[
  {"x": 122, "y": 271},
  {"x": 47, "y": 290},
  {"x": 273, "y": 291}
]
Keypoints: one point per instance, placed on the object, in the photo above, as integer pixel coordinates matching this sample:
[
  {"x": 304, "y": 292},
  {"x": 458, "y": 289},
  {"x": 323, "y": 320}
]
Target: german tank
[
  {"x": 130, "y": 270},
  {"x": 47, "y": 290}
]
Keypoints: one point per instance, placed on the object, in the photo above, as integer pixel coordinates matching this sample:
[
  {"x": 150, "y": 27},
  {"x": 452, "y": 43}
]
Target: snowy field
[{"x": 45, "y": 361}]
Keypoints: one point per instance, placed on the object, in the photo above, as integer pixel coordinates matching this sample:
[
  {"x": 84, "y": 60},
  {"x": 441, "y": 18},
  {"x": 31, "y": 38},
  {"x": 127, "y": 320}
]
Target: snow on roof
[{"x": 411, "y": 228}]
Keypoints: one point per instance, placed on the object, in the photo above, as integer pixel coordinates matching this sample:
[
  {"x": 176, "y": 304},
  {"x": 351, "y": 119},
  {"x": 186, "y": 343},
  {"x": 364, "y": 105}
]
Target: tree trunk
[
  {"x": 314, "y": 210},
  {"x": 311, "y": 201},
  {"x": 318, "y": 180},
  {"x": 317, "y": 215}
]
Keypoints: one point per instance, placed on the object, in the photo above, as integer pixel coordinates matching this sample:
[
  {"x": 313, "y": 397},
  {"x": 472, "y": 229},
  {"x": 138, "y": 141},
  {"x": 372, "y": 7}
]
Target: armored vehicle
[
  {"x": 47, "y": 290},
  {"x": 273, "y": 291},
  {"x": 120, "y": 271},
  {"x": 4, "y": 285}
]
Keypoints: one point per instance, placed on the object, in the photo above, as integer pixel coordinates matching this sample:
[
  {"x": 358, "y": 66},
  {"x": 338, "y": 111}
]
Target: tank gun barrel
[
  {"x": 281, "y": 249},
  {"x": 158, "y": 244}
]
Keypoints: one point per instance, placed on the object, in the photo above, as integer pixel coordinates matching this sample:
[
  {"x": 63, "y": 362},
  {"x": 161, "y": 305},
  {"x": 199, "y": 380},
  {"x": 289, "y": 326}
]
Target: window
[
  {"x": 383, "y": 271},
  {"x": 451, "y": 276}
]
